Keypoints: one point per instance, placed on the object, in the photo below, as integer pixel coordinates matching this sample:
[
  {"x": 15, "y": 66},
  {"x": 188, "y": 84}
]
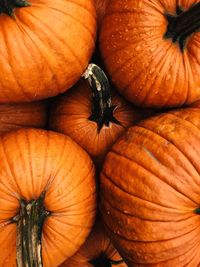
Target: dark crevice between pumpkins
[
  {"x": 102, "y": 109},
  {"x": 30, "y": 220},
  {"x": 103, "y": 261},
  {"x": 8, "y": 6},
  {"x": 183, "y": 24}
]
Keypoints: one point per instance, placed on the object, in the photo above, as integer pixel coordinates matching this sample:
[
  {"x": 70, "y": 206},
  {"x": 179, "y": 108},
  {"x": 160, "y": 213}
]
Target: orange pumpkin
[
  {"x": 101, "y": 6},
  {"x": 92, "y": 119},
  {"x": 151, "y": 50},
  {"x": 47, "y": 198},
  {"x": 195, "y": 104},
  {"x": 45, "y": 46},
  {"x": 150, "y": 191},
  {"x": 14, "y": 116},
  {"x": 97, "y": 251}
]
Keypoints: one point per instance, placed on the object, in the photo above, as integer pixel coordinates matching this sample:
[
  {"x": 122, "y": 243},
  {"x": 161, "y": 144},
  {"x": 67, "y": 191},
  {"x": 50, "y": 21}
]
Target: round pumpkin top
[
  {"x": 33, "y": 162},
  {"x": 45, "y": 46},
  {"x": 97, "y": 251},
  {"x": 151, "y": 50},
  {"x": 150, "y": 185},
  {"x": 71, "y": 113},
  {"x": 20, "y": 115}
]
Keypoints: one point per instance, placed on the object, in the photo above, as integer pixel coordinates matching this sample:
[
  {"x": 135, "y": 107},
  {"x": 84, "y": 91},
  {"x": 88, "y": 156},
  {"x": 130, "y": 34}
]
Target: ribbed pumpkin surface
[
  {"x": 33, "y": 161},
  {"x": 70, "y": 115},
  {"x": 97, "y": 245},
  {"x": 45, "y": 49},
  {"x": 147, "y": 68},
  {"x": 14, "y": 116},
  {"x": 150, "y": 191}
]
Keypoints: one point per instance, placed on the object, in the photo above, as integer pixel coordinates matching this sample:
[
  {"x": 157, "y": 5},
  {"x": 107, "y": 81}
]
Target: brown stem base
[
  {"x": 29, "y": 230},
  {"x": 8, "y": 6},
  {"x": 183, "y": 24}
]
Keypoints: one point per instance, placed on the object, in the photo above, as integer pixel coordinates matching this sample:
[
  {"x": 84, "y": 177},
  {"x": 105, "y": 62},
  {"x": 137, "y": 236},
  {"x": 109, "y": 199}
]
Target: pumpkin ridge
[
  {"x": 187, "y": 121},
  {"x": 188, "y": 221},
  {"x": 17, "y": 82},
  {"x": 77, "y": 203},
  {"x": 182, "y": 25},
  {"x": 9, "y": 166},
  {"x": 172, "y": 143},
  {"x": 58, "y": 38},
  {"x": 160, "y": 65},
  {"x": 74, "y": 18},
  {"x": 28, "y": 36},
  {"x": 82, "y": 6},
  {"x": 170, "y": 209},
  {"x": 155, "y": 241},
  {"x": 155, "y": 175},
  {"x": 131, "y": 194}
]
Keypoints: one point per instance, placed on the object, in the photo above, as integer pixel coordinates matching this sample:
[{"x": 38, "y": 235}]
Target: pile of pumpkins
[{"x": 100, "y": 133}]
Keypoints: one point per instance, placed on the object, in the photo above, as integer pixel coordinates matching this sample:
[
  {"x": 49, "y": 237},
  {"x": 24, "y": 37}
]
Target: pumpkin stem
[
  {"x": 103, "y": 261},
  {"x": 102, "y": 110},
  {"x": 183, "y": 24},
  {"x": 29, "y": 230},
  {"x": 8, "y": 6}
]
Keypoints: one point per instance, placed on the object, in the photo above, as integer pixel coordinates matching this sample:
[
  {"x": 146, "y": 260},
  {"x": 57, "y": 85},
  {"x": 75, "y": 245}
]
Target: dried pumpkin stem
[
  {"x": 29, "y": 230},
  {"x": 183, "y": 24},
  {"x": 102, "y": 110},
  {"x": 8, "y": 6}
]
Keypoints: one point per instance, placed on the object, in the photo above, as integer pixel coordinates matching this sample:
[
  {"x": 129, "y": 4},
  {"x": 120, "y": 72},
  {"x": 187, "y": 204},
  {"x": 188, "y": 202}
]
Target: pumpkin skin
[
  {"x": 96, "y": 244},
  {"x": 150, "y": 191},
  {"x": 195, "y": 104},
  {"x": 70, "y": 114},
  {"x": 15, "y": 116},
  {"x": 36, "y": 160},
  {"x": 101, "y": 6},
  {"x": 147, "y": 68},
  {"x": 45, "y": 49}
]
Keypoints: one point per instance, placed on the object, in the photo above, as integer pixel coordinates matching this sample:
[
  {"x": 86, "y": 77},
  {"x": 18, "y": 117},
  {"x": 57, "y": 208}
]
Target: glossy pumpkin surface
[
  {"x": 70, "y": 115},
  {"x": 150, "y": 191},
  {"x": 36, "y": 161},
  {"x": 14, "y": 116},
  {"x": 147, "y": 64},
  {"x": 97, "y": 251},
  {"x": 45, "y": 47}
]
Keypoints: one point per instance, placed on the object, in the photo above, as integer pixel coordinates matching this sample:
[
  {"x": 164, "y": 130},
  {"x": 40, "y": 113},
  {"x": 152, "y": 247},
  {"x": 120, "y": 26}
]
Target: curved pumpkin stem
[
  {"x": 29, "y": 230},
  {"x": 183, "y": 24},
  {"x": 7, "y": 6},
  {"x": 102, "y": 111}
]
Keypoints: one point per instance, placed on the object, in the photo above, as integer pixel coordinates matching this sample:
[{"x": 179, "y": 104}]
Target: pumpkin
[
  {"x": 14, "y": 116},
  {"x": 45, "y": 46},
  {"x": 101, "y": 6},
  {"x": 150, "y": 185},
  {"x": 97, "y": 251},
  {"x": 90, "y": 116},
  {"x": 195, "y": 104},
  {"x": 47, "y": 198},
  {"x": 151, "y": 50}
]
